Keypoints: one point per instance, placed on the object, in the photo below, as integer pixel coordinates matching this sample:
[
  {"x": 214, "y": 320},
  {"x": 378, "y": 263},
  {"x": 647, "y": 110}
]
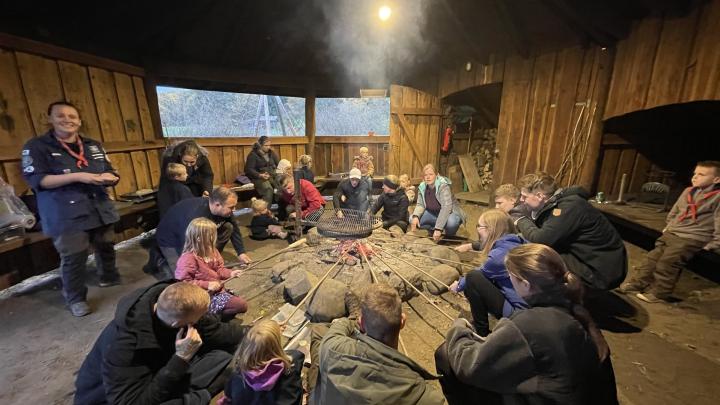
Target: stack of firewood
[{"x": 483, "y": 151}]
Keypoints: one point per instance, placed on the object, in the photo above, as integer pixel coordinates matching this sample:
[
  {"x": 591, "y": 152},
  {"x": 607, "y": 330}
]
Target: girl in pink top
[{"x": 202, "y": 265}]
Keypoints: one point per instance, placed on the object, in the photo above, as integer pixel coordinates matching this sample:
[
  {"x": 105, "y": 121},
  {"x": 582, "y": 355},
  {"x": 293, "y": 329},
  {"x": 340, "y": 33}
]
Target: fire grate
[{"x": 343, "y": 223}]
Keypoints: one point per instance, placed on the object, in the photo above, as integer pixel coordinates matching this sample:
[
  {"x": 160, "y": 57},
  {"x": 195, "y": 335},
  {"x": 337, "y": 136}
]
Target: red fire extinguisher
[{"x": 446, "y": 139}]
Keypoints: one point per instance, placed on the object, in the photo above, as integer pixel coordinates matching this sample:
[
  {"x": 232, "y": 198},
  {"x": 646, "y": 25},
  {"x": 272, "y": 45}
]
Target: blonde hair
[
  {"x": 538, "y": 181},
  {"x": 201, "y": 237},
  {"x": 175, "y": 170},
  {"x": 394, "y": 179},
  {"x": 285, "y": 179},
  {"x": 429, "y": 166},
  {"x": 508, "y": 191},
  {"x": 305, "y": 160},
  {"x": 364, "y": 149},
  {"x": 404, "y": 180},
  {"x": 498, "y": 223},
  {"x": 179, "y": 300},
  {"x": 260, "y": 346},
  {"x": 258, "y": 204},
  {"x": 284, "y": 166}
]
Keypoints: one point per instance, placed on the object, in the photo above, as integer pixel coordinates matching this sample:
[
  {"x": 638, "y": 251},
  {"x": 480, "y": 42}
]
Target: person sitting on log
[
  {"x": 174, "y": 189},
  {"x": 488, "y": 288},
  {"x": 437, "y": 210},
  {"x": 305, "y": 164},
  {"x": 394, "y": 204},
  {"x": 161, "y": 347},
  {"x": 563, "y": 219},
  {"x": 352, "y": 193},
  {"x": 170, "y": 233},
  {"x": 310, "y": 198},
  {"x": 201, "y": 264},
  {"x": 194, "y": 158},
  {"x": 550, "y": 353},
  {"x": 260, "y": 167},
  {"x": 380, "y": 374},
  {"x": 693, "y": 224},
  {"x": 264, "y": 373}
]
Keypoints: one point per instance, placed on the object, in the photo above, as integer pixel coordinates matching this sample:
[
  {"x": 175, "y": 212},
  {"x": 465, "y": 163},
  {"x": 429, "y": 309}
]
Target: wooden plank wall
[
  {"x": 112, "y": 103},
  {"x": 617, "y": 157},
  {"x": 457, "y": 79},
  {"x": 667, "y": 60},
  {"x": 334, "y": 154},
  {"x": 550, "y": 115}
]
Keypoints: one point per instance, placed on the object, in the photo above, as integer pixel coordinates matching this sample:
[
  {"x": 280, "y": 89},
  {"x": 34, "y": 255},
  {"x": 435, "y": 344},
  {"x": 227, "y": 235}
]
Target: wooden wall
[
  {"x": 454, "y": 80},
  {"x": 335, "y": 154},
  {"x": 619, "y": 156},
  {"x": 667, "y": 60},
  {"x": 111, "y": 98}
]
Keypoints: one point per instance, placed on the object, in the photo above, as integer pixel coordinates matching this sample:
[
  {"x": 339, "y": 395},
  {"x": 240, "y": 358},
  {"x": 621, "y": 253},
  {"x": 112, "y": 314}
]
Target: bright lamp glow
[{"x": 384, "y": 13}]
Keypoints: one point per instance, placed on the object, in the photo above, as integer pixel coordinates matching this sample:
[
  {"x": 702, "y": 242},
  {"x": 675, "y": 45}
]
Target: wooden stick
[
  {"x": 438, "y": 258},
  {"x": 422, "y": 271},
  {"x": 402, "y": 345},
  {"x": 416, "y": 289},
  {"x": 268, "y": 257},
  {"x": 312, "y": 291}
]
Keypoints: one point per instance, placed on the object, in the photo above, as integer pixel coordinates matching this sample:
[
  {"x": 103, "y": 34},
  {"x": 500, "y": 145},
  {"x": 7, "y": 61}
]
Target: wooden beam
[
  {"x": 417, "y": 111},
  {"x": 406, "y": 130},
  {"x": 55, "y": 52},
  {"x": 12, "y": 152},
  {"x": 310, "y": 122},
  {"x": 352, "y": 139}
]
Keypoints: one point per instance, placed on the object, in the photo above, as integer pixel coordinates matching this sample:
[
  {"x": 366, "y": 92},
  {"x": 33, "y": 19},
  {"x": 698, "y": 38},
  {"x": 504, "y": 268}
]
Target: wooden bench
[
  {"x": 34, "y": 254},
  {"x": 641, "y": 224}
]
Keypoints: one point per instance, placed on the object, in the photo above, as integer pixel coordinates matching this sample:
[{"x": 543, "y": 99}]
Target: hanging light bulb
[{"x": 384, "y": 13}]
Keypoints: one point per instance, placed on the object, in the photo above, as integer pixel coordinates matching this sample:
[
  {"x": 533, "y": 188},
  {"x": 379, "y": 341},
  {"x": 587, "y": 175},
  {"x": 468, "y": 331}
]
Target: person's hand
[
  {"x": 265, "y": 175},
  {"x": 465, "y": 247},
  {"x": 519, "y": 211},
  {"x": 339, "y": 214},
  {"x": 109, "y": 179},
  {"x": 454, "y": 286},
  {"x": 244, "y": 258},
  {"x": 343, "y": 198},
  {"x": 414, "y": 223},
  {"x": 187, "y": 346},
  {"x": 206, "y": 194},
  {"x": 236, "y": 273},
  {"x": 437, "y": 235},
  {"x": 214, "y": 286}
]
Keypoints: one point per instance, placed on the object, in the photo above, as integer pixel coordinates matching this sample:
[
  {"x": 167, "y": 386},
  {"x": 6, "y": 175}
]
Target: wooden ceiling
[{"x": 298, "y": 39}]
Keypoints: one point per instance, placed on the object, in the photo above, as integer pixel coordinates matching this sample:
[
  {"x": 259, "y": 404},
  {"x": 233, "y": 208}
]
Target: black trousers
[
  {"x": 457, "y": 392},
  {"x": 484, "y": 298},
  {"x": 207, "y": 378},
  {"x": 74, "y": 249}
]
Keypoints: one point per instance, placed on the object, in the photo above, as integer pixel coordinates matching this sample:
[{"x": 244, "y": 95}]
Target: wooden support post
[
  {"x": 310, "y": 123},
  {"x": 297, "y": 202}
]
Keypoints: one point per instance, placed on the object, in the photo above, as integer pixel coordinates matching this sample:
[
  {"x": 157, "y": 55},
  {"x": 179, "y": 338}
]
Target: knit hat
[
  {"x": 387, "y": 182},
  {"x": 355, "y": 173}
]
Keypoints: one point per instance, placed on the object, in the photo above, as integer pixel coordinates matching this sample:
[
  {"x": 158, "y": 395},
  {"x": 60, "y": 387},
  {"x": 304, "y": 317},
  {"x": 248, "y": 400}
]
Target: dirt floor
[{"x": 662, "y": 353}]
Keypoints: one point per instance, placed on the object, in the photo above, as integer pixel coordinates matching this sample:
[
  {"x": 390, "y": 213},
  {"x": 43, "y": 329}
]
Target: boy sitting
[{"x": 692, "y": 224}]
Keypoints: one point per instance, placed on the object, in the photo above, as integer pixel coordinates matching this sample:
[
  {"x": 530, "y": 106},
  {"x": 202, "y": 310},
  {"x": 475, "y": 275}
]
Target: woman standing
[
  {"x": 199, "y": 172},
  {"x": 69, "y": 172}
]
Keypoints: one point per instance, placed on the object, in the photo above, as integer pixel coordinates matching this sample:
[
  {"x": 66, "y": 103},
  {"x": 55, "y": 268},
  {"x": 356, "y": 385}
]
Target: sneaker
[
  {"x": 109, "y": 283},
  {"x": 631, "y": 287},
  {"x": 80, "y": 309},
  {"x": 650, "y": 298}
]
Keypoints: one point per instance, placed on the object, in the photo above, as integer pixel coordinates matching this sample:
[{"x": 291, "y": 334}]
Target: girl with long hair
[
  {"x": 263, "y": 372},
  {"x": 550, "y": 353},
  {"x": 201, "y": 264},
  {"x": 488, "y": 288}
]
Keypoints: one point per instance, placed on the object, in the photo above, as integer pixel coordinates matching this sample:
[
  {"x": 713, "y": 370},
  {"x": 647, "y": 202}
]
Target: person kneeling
[
  {"x": 159, "y": 348},
  {"x": 437, "y": 210},
  {"x": 364, "y": 366},
  {"x": 201, "y": 264},
  {"x": 549, "y": 353}
]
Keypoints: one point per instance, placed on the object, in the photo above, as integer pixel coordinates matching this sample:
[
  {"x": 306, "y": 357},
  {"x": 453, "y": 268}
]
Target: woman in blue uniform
[{"x": 69, "y": 173}]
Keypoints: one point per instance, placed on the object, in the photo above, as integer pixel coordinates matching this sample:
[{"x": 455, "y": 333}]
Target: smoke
[{"x": 372, "y": 52}]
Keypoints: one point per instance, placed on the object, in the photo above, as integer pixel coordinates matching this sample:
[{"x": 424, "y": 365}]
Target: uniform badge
[
  {"x": 94, "y": 149},
  {"x": 26, "y": 152},
  {"x": 556, "y": 212},
  {"x": 29, "y": 169},
  {"x": 27, "y": 160}
]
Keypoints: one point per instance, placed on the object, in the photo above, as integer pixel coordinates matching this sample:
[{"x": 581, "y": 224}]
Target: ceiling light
[{"x": 384, "y": 13}]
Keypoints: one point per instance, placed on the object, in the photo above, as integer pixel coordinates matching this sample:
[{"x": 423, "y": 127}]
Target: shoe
[
  {"x": 631, "y": 287},
  {"x": 109, "y": 283},
  {"x": 80, "y": 309},
  {"x": 650, "y": 298}
]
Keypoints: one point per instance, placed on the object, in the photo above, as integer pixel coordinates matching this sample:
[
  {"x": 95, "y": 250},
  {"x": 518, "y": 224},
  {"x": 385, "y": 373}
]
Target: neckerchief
[
  {"x": 693, "y": 204},
  {"x": 79, "y": 157}
]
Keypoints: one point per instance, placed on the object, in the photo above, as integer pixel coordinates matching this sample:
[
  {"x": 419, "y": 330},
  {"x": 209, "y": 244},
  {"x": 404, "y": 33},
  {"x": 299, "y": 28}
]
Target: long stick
[
  {"x": 422, "y": 271},
  {"x": 268, "y": 257},
  {"x": 312, "y": 291},
  {"x": 416, "y": 289},
  {"x": 438, "y": 258},
  {"x": 418, "y": 236}
]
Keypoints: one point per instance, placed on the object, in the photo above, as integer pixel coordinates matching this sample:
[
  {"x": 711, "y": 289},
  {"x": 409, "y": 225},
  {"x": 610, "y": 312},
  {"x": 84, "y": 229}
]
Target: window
[
  {"x": 200, "y": 113},
  {"x": 352, "y": 116}
]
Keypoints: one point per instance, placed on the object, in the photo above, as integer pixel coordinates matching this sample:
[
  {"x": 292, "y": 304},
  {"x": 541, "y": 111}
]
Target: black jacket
[
  {"x": 541, "y": 355},
  {"x": 200, "y": 178},
  {"x": 171, "y": 192},
  {"x": 394, "y": 205},
  {"x": 259, "y": 225},
  {"x": 287, "y": 390},
  {"x": 256, "y": 163},
  {"x": 357, "y": 197},
  {"x": 307, "y": 174},
  {"x": 133, "y": 361},
  {"x": 591, "y": 247},
  {"x": 171, "y": 229}
]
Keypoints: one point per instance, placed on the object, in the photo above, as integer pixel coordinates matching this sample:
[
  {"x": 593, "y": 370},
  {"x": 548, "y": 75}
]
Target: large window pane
[
  {"x": 200, "y": 113},
  {"x": 352, "y": 116}
]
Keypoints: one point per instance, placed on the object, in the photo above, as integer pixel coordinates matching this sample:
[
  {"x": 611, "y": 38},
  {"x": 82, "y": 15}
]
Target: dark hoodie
[
  {"x": 591, "y": 247},
  {"x": 271, "y": 385},
  {"x": 133, "y": 361},
  {"x": 394, "y": 205},
  {"x": 256, "y": 163},
  {"x": 200, "y": 177}
]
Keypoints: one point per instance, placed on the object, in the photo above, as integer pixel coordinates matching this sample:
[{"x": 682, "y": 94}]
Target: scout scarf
[
  {"x": 693, "y": 204},
  {"x": 80, "y": 157}
]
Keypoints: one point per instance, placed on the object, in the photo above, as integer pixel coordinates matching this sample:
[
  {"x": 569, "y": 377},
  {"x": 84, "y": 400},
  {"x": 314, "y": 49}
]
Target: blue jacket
[
  {"x": 171, "y": 229},
  {"x": 494, "y": 270},
  {"x": 73, "y": 207}
]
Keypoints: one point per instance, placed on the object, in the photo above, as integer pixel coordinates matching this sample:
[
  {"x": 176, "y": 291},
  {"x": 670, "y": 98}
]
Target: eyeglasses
[{"x": 481, "y": 227}]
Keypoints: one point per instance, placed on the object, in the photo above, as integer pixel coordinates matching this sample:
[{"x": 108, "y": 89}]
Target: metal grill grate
[{"x": 343, "y": 223}]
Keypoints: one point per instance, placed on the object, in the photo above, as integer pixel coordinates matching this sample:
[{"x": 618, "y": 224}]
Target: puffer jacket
[{"x": 394, "y": 206}]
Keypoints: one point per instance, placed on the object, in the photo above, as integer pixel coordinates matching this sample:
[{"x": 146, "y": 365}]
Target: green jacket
[
  {"x": 448, "y": 202},
  {"x": 357, "y": 369}
]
